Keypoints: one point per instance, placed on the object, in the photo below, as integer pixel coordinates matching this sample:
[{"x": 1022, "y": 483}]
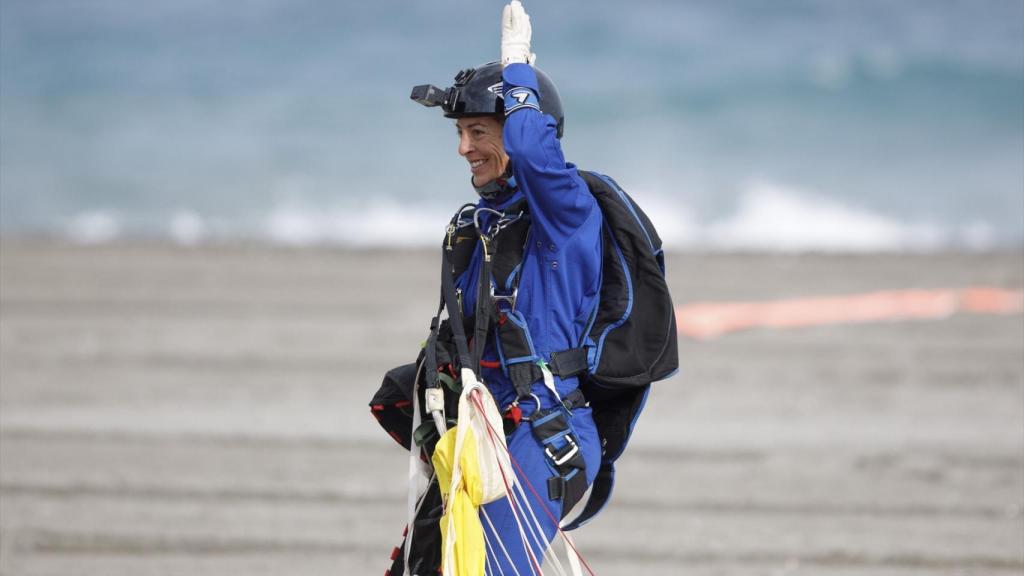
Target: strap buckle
[
  {"x": 510, "y": 299},
  {"x": 560, "y": 460}
]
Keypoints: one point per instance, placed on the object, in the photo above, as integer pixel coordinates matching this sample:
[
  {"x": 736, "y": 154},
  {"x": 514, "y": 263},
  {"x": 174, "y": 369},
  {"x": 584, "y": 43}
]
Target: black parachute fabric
[
  {"x": 425, "y": 544},
  {"x": 392, "y": 404}
]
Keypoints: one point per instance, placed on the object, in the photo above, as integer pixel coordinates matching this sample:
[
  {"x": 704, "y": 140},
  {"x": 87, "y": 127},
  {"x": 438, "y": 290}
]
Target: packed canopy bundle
[{"x": 473, "y": 468}]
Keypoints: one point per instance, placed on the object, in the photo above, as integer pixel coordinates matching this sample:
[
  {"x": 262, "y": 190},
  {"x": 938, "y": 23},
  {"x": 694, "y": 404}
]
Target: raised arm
[{"x": 559, "y": 200}]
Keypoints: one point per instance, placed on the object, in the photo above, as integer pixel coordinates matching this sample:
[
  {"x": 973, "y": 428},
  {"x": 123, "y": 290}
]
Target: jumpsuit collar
[{"x": 508, "y": 194}]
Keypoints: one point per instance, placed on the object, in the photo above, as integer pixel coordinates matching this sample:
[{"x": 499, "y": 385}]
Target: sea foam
[
  {"x": 768, "y": 216},
  {"x": 94, "y": 227},
  {"x": 383, "y": 223}
]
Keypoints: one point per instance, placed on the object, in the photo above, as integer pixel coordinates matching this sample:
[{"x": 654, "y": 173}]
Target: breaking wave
[
  {"x": 774, "y": 217},
  {"x": 767, "y": 216},
  {"x": 386, "y": 223}
]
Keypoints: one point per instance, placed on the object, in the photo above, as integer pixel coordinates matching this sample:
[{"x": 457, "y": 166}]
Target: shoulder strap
[
  {"x": 484, "y": 310},
  {"x": 456, "y": 254},
  {"x": 450, "y": 301}
]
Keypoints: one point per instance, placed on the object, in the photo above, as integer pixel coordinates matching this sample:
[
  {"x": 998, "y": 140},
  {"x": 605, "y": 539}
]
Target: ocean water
[{"x": 738, "y": 124}]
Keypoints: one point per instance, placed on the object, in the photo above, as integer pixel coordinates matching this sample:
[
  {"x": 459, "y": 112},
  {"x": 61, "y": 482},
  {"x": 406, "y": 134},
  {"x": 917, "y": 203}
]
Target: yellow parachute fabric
[
  {"x": 472, "y": 466},
  {"x": 462, "y": 507}
]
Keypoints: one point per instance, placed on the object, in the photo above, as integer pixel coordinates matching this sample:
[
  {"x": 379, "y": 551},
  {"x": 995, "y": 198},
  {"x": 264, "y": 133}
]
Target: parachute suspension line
[
  {"x": 535, "y": 565},
  {"x": 536, "y": 531},
  {"x": 487, "y": 541},
  {"x": 574, "y": 562},
  {"x": 538, "y": 497},
  {"x": 549, "y": 552},
  {"x": 551, "y": 516}
]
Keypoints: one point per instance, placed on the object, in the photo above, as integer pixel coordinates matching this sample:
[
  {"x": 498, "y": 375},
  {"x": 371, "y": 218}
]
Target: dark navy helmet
[{"x": 477, "y": 92}]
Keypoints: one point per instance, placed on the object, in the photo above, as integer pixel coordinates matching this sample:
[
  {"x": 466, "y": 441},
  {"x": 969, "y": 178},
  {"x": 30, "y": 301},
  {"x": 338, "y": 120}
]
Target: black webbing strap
[
  {"x": 564, "y": 364},
  {"x": 600, "y": 492},
  {"x": 574, "y": 400},
  {"x": 569, "y": 484},
  {"x": 571, "y": 362},
  {"x": 450, "y": 301},
  {"x": 552, "y": 428},
  {"x": 484, "y": 307},
  {"x": 430, "y": 352},
  {"x": 523, "y": 375}
]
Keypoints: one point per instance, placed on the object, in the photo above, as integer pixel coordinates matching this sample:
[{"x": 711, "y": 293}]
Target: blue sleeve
[{"x": 559, "y": 199}]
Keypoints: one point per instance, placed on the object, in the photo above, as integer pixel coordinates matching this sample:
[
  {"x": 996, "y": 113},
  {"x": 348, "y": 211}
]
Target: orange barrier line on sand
[{"x": 711, "y": 319}]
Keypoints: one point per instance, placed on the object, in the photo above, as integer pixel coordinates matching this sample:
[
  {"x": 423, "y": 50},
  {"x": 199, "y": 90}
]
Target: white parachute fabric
[{"x": 478, "y": 409}]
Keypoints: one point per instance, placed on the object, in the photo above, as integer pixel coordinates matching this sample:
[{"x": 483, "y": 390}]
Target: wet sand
[{"x": 169, "y": 410}]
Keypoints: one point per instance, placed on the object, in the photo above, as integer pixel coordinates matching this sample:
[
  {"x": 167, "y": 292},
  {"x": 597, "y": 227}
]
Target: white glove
[{"x": 515, "y": 35}]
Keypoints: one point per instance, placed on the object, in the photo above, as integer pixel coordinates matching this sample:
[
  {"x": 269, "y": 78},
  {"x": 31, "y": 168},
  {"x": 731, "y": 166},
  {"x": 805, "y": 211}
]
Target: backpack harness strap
[
  {"x": 484, "y": 313},
  {"x": 449, "y": 300},
  {"x": 519, "y": 359},
  {"x": 639, "y": 345},
  {"x": 523, "y": 367},
  {"x": 553, "y": 429}
]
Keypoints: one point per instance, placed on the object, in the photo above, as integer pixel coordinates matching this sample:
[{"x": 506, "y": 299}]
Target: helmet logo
[{"x": 495, "y": 89}]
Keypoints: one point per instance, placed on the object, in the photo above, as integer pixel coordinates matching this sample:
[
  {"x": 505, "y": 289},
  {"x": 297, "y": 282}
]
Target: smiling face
[{"x": 481, "y": 145}]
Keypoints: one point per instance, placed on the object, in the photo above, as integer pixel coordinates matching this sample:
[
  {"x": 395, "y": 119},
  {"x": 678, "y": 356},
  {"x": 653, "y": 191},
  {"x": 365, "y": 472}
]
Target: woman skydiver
[{"x": 509, "y": 122}]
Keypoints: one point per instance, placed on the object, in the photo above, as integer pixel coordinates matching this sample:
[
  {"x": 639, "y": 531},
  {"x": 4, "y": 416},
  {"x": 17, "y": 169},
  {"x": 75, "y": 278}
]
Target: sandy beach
[{"x": 203, "y": 411}]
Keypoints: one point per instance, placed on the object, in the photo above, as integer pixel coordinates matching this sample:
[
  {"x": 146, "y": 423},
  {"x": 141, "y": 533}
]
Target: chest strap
[
  {"x": 520, "y": 359},
  {"x": 564, "y": 364}
]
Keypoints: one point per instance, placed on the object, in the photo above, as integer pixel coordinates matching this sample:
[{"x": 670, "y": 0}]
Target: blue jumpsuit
[{"x": 558, "y": 289}]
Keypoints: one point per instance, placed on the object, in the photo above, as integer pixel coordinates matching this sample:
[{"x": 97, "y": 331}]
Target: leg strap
[{"x": 561, "y": 447}]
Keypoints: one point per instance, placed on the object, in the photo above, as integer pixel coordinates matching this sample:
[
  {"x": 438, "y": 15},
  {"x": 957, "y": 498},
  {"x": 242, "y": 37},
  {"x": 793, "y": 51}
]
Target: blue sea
[{"x": 847, "y": 125}]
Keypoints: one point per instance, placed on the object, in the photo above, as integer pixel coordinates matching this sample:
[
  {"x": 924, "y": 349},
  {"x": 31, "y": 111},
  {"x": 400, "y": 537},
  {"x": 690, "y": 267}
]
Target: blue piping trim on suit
[
  {"x": 513, "y": 318},
  {"x": 545, "y": 419},
  {"x": 501, "y": 357},
  {"x": 512, "y": 276},
  {"x": 557, "y": 436},
  {"x": 669, "y": 375}
]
